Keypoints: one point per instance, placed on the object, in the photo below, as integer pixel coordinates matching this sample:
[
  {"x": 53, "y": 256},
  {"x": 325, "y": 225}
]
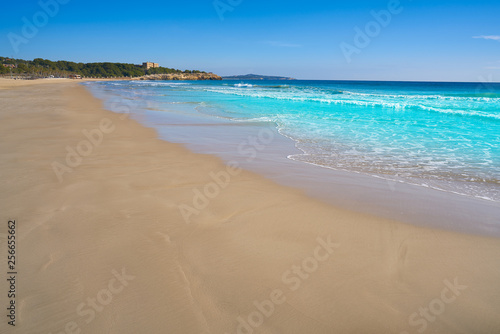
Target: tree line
[{"x": 45, "y": 68}]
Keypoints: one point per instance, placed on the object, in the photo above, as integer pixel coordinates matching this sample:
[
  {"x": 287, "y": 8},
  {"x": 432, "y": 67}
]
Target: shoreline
[
  {"x": 257, "y": 255},
  {"x": 356, "y": 191},
  {"x": 8, "y": 83}
]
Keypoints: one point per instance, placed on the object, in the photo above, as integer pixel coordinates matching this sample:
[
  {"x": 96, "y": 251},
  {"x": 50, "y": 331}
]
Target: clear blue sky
[{"x": 427, "y": 40}]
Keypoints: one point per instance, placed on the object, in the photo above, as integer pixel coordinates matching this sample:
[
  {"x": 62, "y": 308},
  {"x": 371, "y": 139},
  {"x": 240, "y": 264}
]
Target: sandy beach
[{"x": 120, "y": 232}]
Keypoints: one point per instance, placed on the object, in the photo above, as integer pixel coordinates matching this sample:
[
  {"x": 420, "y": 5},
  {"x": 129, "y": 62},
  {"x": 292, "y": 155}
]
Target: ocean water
[{"x": 437, "y": 135}]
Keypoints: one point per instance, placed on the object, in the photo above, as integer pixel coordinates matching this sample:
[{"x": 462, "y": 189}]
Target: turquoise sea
[{"x": 437, "y": 135}]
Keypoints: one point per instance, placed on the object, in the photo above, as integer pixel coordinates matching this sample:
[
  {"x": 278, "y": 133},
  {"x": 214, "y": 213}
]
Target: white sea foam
[
  {"x": 446, "y": 142},
  {"x": 241, "y": 85},
  {"x": 397, "y": 102}
]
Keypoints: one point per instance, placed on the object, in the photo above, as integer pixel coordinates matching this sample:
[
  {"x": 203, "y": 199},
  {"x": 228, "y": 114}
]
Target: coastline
[
  {"x": 119, "y": 211},
  {"x": 259, "y": 146},
  {"x": 6, "y": 83}
]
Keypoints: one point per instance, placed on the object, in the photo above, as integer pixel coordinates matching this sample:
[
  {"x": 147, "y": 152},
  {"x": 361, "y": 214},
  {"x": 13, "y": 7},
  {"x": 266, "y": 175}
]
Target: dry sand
[{"x": 107, "y": 250}]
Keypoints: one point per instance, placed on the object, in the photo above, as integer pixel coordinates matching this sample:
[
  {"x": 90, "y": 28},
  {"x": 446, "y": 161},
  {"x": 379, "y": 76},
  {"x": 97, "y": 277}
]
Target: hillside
[
  {"x": 180, "y": 76},
  {"x": 43, "y": 68}
]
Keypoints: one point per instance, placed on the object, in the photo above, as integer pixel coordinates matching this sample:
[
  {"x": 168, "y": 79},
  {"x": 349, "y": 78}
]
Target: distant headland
[{"x": 255, "y": 77}]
